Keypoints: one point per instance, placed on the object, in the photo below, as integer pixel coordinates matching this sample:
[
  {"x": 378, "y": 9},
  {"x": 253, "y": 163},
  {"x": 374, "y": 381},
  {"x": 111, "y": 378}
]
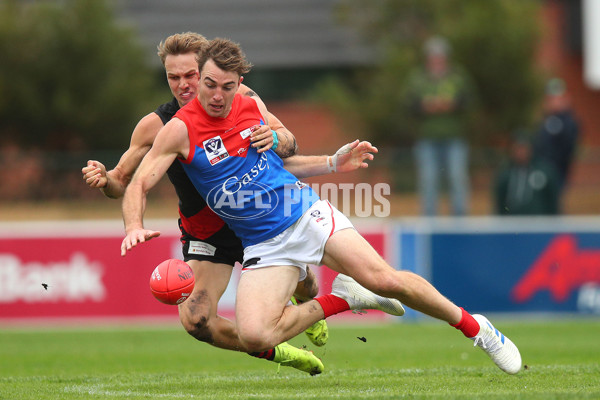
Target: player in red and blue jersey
[
  {"x": 209, "y": 246},
  {"x": 224, "y": 142},
  {"x": 221, "y": 161}
]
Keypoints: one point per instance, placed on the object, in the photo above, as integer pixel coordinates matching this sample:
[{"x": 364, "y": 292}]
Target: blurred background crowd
[{"x": 477, "y": 107}]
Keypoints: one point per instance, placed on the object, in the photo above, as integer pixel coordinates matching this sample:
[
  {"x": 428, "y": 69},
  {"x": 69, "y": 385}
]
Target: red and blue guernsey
[{"x": 252, "y": 192}]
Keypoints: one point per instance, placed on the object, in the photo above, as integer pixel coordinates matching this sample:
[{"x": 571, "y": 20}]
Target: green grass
[{"x": 416, "y": 361}]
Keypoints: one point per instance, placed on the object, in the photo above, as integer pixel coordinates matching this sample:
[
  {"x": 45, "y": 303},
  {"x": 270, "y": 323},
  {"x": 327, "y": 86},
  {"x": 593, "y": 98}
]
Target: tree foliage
[
  {"x": 494, "y": 41},
  {"x": 70, "y": 76}
]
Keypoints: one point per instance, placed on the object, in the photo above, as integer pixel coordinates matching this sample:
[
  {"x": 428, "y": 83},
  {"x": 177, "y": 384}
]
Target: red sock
[
  {"x": 332, "y": 304},
  {"x": 268, "y": 355},
  {"x": 467, "y": 325}
]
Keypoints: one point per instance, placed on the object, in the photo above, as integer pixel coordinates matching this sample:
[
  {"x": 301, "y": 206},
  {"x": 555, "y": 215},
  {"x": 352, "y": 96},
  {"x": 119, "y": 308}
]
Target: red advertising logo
[{"x": 560, "y": 269}]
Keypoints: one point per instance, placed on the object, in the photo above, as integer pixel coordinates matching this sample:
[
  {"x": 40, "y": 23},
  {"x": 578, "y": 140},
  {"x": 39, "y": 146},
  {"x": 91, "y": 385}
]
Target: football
[{"x": 172, "y": 281}]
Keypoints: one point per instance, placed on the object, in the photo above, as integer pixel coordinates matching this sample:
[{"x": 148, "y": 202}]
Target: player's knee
[
  {"x": 308, "y": 288},
  {"x": 195, "y": 317},
  {"x": 312, "y": 289},
  {"x": 255, "y": 344},
  {"x": 255, "y": 340}
]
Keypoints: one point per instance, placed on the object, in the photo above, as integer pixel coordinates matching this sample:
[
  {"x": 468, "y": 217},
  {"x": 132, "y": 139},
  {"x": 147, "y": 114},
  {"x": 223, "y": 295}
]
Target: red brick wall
[{"x": 557, "y": 59}]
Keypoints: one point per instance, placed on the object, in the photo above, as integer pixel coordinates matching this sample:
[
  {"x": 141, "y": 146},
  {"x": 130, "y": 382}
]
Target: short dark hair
[{"x": 226, "y": 54}]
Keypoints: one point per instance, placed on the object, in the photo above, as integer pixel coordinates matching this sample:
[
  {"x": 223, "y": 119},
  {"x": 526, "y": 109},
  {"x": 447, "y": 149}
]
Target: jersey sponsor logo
[
  {"x": 234, "y": 184},
  {"x": 215, "y": 150},
  {"x": 243, "y": 197}
]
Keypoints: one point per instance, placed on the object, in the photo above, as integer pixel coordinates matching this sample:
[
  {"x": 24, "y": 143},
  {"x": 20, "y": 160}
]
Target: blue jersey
[{"x": 252, "y": 192}]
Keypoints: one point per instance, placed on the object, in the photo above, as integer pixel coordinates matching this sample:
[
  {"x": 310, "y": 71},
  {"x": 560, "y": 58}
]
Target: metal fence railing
[{"x": 53, "y": 176}]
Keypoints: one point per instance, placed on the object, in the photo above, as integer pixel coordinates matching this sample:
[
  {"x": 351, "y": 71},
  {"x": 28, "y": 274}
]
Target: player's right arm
[
  {"x": 262, "y": 138},
  {"x": 114, "y": 182},
  {"x": 350, "y": 157},
  {"x": 172, "y": 141}
]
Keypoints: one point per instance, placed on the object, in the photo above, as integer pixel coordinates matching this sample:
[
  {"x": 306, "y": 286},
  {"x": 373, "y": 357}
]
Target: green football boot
[{"x": 290, "y": 356}]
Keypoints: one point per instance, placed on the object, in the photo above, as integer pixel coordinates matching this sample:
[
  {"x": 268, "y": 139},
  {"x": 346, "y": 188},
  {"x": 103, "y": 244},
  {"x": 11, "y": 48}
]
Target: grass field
[{"x": 417, "y": 361}]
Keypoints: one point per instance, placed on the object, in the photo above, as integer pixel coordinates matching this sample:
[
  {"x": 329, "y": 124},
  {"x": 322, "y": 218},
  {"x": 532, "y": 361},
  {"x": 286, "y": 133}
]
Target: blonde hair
[
  {"x": 226, "y": 54},
  {"x": 182, "y": 43}
]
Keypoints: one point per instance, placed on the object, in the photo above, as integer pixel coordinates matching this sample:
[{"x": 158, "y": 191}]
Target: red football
[{"x": 172, "y": 281}]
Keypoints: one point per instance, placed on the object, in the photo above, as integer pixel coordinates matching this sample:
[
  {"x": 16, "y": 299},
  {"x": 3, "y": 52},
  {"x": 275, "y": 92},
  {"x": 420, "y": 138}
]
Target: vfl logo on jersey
[{"x": 215, "y": 150}]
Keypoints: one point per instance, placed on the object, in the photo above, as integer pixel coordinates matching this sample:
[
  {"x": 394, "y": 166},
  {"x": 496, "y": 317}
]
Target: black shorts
[{"x": 222, "y": 247}]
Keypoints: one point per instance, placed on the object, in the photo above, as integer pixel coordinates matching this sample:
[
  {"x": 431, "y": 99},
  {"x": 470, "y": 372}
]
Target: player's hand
[
  {"x": 136, "y": 236},
  {"x": 262, "y": 138},
  {"x": 94, "y": 174},
  {"x": 353, "y": 156}
]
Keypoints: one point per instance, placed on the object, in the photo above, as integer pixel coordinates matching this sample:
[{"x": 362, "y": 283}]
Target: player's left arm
[
  {"x": 273, "y": 134},
  {"x": 349, "y": 157}
]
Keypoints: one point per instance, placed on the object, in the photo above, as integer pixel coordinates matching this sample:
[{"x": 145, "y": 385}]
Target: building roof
[{"x": 273, "y": 33}]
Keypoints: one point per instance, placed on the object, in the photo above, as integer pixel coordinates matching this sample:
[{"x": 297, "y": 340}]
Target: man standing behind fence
[{"x": 439, "y": 96}]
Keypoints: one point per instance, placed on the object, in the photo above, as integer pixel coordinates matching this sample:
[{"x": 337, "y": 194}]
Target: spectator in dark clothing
[
  {"x": 558, "y": 132},
  {"x": 526, "y": 185}
]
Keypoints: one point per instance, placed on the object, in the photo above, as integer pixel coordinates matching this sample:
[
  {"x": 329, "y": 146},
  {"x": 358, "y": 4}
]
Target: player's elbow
[
  {"x": 137, "y": 187},
  {"x": 112, "y": 195},
  {"x": 287, "y": 149},
  {"x": 198, "y": 327}
]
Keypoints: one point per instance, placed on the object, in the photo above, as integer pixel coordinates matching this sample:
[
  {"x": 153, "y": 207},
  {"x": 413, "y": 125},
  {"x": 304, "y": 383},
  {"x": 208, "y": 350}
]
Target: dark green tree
[{"x": 70, "y": 76}]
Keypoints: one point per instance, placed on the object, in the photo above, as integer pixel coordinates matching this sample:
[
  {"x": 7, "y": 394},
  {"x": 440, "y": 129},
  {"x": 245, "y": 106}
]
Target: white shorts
[{"x": 302, "y": 243}]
